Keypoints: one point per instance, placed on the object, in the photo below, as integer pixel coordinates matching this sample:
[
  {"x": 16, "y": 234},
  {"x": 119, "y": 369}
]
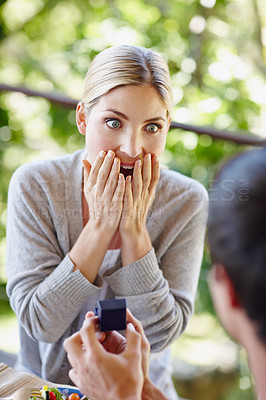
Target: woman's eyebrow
[
  {"x": 117, "y": 113},
  {"x": 126, "y": 118},
  {"x": 154, "y": 119}
]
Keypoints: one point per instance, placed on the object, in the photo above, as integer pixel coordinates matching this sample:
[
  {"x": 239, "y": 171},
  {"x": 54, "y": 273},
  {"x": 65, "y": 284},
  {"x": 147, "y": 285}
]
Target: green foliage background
[{"x": 215, "y": 51}]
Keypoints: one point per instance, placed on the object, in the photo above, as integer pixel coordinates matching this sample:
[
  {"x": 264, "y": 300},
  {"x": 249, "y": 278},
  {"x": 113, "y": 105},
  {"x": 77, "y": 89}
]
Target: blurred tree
[{"x": 215, "y": 49}]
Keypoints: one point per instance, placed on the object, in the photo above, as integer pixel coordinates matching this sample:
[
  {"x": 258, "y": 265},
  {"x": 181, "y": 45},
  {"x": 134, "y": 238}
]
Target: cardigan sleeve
[
  {"x": 160, "y": 287},
  {"x": 44, "y": 291}
]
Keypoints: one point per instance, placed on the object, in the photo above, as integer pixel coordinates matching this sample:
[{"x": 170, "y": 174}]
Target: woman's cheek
[
  {"x": 95, "y": 144},
  {"x": 103, "y": 142},
  {"x": 159, "y": 146}
]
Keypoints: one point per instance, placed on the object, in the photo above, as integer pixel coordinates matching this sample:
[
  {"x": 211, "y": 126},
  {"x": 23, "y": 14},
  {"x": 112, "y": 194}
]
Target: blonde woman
[{"x": 106, "y": 222}]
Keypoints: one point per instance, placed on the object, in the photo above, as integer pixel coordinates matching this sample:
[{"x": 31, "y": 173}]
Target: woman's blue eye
[
  {"x": 152, "y": 128},
  {"x": 113, "y": 123}
]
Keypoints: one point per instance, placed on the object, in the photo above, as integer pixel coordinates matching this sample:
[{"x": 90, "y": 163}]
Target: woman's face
[{"x": 130, "y": 120}]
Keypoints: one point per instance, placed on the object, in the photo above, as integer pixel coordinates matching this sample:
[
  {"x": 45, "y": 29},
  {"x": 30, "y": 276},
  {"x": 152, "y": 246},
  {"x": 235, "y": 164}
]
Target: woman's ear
[
  {"x": 168, "y": 124},
  {"x": 81, "y": 118}
]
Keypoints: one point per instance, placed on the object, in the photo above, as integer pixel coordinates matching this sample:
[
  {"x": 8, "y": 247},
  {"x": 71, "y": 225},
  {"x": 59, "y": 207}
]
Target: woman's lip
[{"x": 127, "y": 164}]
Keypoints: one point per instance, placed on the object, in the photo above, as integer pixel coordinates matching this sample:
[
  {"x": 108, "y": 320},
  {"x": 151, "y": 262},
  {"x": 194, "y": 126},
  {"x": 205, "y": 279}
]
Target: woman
[{"x": 118, "y": 227}]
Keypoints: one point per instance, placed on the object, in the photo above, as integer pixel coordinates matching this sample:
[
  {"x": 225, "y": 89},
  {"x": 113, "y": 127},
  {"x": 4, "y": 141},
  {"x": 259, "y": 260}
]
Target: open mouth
[{"x": 126, "y": 170}]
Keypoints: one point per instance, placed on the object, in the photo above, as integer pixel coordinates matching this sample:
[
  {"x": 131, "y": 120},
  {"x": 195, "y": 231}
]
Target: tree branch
[{"x": 67, "y": 102}]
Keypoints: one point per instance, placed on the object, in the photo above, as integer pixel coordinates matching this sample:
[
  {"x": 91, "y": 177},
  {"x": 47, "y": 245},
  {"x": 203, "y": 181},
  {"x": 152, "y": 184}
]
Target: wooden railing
[{"x": 243, "y": 138}]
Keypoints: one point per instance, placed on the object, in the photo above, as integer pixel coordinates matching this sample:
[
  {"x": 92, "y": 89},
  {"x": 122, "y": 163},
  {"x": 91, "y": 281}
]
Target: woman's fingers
[
  {"x": 146, "y": 172},
  {"x": 155, "y": 167},
  {"x": 137, "y": 181},
  {"x": 140, "y": 193},
  {"x": 103, "y": 174},
  {"x": 96, "y": 167},
  {"x": 108, "y": 193},
  {"x": 104, "y": 190},
  {"x": 87, "y": 169},
  {"x": 104, "y": 171},
  {"x": 145, "y": 178},
  {"x": 150, "y": 172},
  {"x": 128, "y": 198},
  {"x": 119, "y": 190},
  {"x": 111, "y": 183}
]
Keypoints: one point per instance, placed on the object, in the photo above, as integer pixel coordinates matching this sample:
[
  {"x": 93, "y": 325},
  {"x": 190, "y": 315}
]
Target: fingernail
[
  {"x": 89, "y": 314},
  {"x": 138, "y": 163},
  {"x": 147, "y": 157},
  {"x": 116, "y": 161},
  {"x": 156, "y": 157},
  {"x": 131, "y": 326},
  {"x": 102, "y": 154},
  {"x": 129, "y": 178},
  {"x": 100, "y": 336},
  {"x": 110, "y": 154}
]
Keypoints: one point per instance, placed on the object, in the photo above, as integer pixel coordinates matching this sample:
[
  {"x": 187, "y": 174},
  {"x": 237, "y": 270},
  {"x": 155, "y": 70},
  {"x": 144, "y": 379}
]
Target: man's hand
[
  {"x": 101, "y": 374},
  {"x": 115, "y": 343}
]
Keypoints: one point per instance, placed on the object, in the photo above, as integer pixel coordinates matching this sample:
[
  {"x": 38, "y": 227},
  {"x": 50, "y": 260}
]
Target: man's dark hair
[{"x": 237, "y": 230}]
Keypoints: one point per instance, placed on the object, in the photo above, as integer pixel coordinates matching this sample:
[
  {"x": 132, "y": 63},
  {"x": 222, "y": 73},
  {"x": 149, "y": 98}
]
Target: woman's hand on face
[
  {"x": 138, "y": 199},
  {"x": 104, "y": 189},
  {"x": 139, "y": 195}
]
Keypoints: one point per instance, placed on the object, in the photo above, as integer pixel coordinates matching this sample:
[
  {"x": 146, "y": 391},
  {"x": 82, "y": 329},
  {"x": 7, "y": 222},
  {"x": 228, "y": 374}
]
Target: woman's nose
[{"x": 131, "y": 146}]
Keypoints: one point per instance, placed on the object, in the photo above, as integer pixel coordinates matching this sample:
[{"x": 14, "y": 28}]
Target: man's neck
[{"x": 256, "y": 351}]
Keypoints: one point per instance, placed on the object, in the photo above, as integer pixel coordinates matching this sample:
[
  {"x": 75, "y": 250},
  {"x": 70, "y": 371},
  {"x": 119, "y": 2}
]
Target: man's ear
[
  {"x": 81, "y": 118},
  {"x": 222, "y": 277}
]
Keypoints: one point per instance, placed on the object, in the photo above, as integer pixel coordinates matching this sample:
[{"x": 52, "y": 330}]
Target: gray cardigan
[{"x": 50, "y": 300}]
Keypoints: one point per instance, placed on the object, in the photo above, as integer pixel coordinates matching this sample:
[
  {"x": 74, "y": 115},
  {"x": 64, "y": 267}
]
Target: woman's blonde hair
[{"x": 127, "y": 65}]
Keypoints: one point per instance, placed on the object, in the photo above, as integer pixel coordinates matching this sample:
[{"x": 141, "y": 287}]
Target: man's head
[{"x": 237, "y": 240}]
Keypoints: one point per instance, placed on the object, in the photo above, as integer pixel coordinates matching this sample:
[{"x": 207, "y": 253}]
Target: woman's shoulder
[
  {"x": 173, "y": 184},
  {"x": 46, "y": 169},
  {"x": 178, "y": 200}
]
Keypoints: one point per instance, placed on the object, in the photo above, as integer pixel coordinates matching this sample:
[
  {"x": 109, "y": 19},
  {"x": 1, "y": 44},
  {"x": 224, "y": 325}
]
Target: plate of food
[{"x": 57, "y": 393}]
